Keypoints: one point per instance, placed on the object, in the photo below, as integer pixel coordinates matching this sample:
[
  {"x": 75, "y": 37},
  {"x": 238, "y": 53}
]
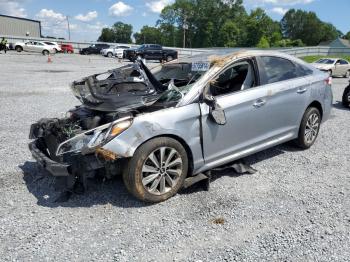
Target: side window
[
  {"x": 278, "y": 69},
  {"x": 240, "y": 76},
  {"x": 303, "y": 70},
  {"x": 343, "y": 62}
]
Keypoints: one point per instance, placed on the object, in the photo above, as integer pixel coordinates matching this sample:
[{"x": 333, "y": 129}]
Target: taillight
[{"x": 328, "y": 80}]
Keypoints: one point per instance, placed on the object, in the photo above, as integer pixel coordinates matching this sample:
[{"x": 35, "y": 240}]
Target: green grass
[{"x": 311, "y": 59}]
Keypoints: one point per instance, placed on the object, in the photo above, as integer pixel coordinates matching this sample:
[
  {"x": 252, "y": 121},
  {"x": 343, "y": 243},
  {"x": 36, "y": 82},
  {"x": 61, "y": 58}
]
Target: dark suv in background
[
  {"x": 93, "y": 49},
  {"x": 150, "y": 52}
]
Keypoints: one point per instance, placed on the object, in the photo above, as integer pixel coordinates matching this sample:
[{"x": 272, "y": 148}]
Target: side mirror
[{"x": 216, "y": 112}]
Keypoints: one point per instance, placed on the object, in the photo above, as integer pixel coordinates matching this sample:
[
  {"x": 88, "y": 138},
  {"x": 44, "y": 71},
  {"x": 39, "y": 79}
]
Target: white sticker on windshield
[{"x": 200, "y": 66}]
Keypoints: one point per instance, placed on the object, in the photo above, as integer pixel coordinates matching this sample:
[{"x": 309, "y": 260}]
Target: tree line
[{"x": 212, "y": 23}]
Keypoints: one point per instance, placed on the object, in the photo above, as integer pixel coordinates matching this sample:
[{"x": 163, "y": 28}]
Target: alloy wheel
[
  {"x": 161, "y": 170},
  {"x": 312, "y": 128}
]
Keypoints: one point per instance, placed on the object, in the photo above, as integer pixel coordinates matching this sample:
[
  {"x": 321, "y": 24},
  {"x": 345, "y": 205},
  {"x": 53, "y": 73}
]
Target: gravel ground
[{"x": 295, "y": 208}]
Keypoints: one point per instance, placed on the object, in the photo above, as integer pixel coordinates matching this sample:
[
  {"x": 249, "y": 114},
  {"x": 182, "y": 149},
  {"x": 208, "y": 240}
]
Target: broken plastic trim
[{"x": 238, "y": 167}]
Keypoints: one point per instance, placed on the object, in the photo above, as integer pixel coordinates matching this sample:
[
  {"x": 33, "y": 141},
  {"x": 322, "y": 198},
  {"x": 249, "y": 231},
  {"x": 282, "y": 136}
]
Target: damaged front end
[{"x": 72, "y": 147}]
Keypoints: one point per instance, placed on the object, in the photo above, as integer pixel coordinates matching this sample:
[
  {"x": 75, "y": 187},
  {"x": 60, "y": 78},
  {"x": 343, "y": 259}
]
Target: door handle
[
  {"x": 259, "y": 103},
  {"x": 302, "y": 90}
]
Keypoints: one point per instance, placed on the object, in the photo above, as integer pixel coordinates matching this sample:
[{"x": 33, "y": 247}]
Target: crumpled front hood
[{"x": 129, "y": 87}]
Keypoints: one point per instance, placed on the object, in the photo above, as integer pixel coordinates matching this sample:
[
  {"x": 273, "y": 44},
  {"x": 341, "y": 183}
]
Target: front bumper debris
[{"x": 53, "y": 167}]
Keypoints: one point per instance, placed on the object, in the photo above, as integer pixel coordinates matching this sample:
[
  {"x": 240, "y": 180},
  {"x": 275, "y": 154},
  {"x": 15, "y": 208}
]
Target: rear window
[{"x": 278, "y": 69}]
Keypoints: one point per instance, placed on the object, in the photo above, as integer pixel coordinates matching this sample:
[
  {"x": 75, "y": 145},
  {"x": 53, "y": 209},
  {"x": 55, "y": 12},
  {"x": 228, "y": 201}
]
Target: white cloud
[
  {"x": 12, "y": 8},
  {"x": 156, "y": 6},
  {"x": 88, "y": 17},
  {"x": 279, "y": 10},
  {"x": 48, "y": 16},
  {"x": 54, "y": 23},
  {"x": 120, "y": 9},
  {"x": 281, "y": 2}
]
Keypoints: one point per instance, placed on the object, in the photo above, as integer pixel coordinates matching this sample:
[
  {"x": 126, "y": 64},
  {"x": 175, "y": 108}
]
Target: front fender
[{"x": 181, "y": 122}]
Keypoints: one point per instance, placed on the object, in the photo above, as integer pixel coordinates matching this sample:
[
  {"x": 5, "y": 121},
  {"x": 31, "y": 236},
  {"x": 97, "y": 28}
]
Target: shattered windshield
[{"x": 179, "y": 77}]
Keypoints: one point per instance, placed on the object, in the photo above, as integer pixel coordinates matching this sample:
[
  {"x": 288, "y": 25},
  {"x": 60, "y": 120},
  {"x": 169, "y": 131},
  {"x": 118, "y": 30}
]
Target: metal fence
[
  {"x": 317, "y": 51},
  {"x": 297, "y": 51}
]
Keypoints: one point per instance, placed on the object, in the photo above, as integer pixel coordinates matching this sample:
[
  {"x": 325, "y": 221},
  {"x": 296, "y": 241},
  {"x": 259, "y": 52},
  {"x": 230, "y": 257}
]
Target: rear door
[
  {"x": 344, "y": 66},
  {"x": 148, "y": 52},
  {"x": 39, "y": 47},
  {"x": 287, "y": 90},
  {"x": 157, "y": 52}
]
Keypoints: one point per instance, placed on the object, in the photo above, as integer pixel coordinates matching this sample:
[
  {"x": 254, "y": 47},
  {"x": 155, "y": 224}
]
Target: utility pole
[
  {"x": 185, "y": 27},
  {"x": 68, "y": 27}
]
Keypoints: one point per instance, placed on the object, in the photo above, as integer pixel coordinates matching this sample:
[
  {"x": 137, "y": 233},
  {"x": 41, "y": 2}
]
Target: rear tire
[
  {"x": 309, "y": 128},
  {"x": 346, "y": 97},
  {"x": 19, "y": 49},
  {"x": 158, "y": 180},
  {"x": 347, "y": 75}
]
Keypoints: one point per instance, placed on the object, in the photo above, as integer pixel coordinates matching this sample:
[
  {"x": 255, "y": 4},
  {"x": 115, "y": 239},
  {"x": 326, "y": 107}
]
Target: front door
[
  {"x": 245, "y": 103},
  {"x": 29, "y": 47}
]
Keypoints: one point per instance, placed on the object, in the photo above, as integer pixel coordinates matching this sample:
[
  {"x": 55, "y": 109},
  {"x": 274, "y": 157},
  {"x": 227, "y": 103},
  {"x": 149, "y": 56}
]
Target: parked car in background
[
  {"x": 35, "y": 47},
  {"x": 55, "y": 45},
  {"x": 93, "y": 49},
  {"x": 157, "y": 128},
  {"x": 151, "y": 52},
  {"x": 67, "y": 48},
  {"x": 117, "y": 51},
  {"x": 334, "y": 66}
]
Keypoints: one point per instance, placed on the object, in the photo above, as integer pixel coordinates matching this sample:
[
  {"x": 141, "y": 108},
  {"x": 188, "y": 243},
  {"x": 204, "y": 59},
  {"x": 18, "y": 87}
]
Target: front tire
[
  {"x": 45, "y": 52},
  {"x": 169, "y": 58},
  {"x": 346, "y": 97},
  {"x": 157, "y": 170},
  {"x": 110, "y": 55},
  {"x": 309, "y": 128}
]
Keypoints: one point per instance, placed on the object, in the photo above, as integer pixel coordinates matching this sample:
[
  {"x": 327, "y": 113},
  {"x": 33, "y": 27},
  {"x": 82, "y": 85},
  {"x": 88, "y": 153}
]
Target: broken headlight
[{"x": 94, "y": 138}]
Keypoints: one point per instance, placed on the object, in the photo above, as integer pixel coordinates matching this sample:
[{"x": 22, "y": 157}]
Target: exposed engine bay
[{"x": 110, "y": 101}]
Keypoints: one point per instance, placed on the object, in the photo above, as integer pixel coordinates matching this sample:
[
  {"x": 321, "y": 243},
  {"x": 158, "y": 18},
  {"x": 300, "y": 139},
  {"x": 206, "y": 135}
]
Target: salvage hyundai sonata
[{"x": 159, "y": 127}]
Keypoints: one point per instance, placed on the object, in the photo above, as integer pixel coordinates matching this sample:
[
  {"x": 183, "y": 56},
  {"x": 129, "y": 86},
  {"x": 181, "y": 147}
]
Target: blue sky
[{"x": 88, "y": 17}]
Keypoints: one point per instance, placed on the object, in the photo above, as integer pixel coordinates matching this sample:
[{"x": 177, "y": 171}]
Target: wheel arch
[
  {"x": 182, "y": 142},
  {"x": 317, "y": 105}
]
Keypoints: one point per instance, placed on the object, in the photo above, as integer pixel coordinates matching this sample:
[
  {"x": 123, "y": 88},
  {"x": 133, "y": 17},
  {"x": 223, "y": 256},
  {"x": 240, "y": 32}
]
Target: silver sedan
[
  {"x": 157, "y": 128},
  {"x": 334, "y": 66}
]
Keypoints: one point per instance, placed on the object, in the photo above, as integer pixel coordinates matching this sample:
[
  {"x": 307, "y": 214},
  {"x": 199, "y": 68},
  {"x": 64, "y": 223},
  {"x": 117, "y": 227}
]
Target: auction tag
[{"x": 200, "y": 66}]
